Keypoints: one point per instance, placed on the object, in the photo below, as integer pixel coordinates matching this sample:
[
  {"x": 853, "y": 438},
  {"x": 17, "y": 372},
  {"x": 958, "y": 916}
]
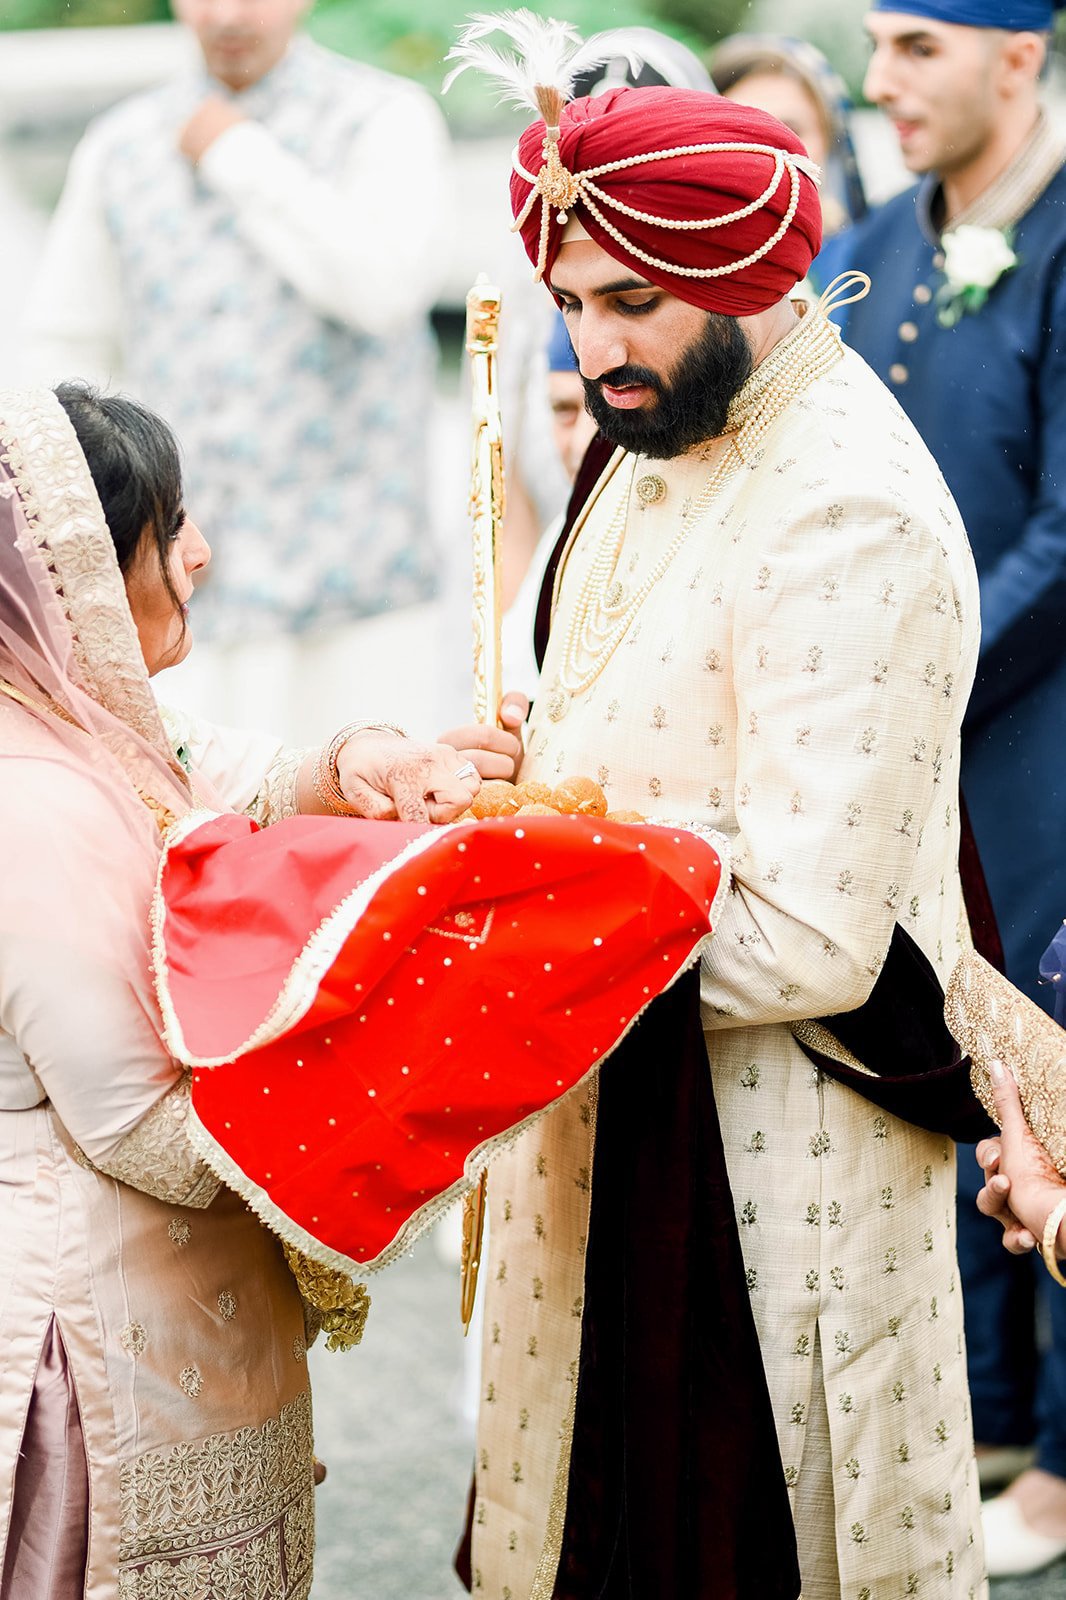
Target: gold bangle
[
  {"x": 325, "y": 778},
  {"x": 1050, "y": 1240}
]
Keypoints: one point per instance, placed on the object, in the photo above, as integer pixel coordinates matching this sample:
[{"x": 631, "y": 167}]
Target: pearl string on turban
[{"x": 714, "y": 201}]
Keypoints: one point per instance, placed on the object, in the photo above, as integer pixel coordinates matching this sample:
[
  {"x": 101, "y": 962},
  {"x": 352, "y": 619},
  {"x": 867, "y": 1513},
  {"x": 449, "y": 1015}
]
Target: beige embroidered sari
[{"x": 136, "y": 1295}]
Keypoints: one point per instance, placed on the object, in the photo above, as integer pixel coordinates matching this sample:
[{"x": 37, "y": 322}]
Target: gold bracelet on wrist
[
  {"x": 1049, "y": 1243},
  {"x": 325, "y": 778}
]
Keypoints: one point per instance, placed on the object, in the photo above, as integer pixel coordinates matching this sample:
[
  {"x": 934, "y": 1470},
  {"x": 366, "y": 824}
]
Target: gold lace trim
[
  {"x": 333, "y": 1302},
  {"x": 66, "y": 523},
  {"x": 230, "y": 1516},
  {"x": 157, "y": 1157},
  {"x": 278, "y": 795},
  {"x": 819, "y": 1038},
  {"x": 994, "y": 1021}
]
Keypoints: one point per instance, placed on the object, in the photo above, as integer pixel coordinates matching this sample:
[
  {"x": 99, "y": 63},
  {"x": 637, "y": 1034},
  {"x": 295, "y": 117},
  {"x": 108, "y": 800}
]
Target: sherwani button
[
  {"x": 898, "y": 373},
  {"x": 922, "y": 294},
  {"x": 908, "y": 332}
]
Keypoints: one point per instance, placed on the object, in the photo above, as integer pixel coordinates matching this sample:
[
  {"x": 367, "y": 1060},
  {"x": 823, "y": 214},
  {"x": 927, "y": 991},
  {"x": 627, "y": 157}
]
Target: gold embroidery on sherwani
[
  {"x": 830, "y": 817},
  {"x": 230, "y": 1516}
]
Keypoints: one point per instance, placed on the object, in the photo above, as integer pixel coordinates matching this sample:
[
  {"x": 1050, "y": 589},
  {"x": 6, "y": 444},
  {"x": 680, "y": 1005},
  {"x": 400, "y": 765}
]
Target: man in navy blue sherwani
[{"x": 966, "y": 323}]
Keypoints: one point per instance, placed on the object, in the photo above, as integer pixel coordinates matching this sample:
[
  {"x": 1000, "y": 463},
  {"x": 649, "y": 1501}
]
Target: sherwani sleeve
[
  {"x": 849, "y": 654},
  {"x": 365, "y": 245},
  {"x": 74, "y": 311},
  {"x": 1023, "y": 596},
  {"x": 76, "y": 994}
]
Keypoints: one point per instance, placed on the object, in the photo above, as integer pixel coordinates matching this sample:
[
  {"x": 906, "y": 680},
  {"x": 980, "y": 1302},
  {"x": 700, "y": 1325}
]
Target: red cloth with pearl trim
[
  {"x": 371, "y": 1009},
  {"x": 624, "y": 123}
]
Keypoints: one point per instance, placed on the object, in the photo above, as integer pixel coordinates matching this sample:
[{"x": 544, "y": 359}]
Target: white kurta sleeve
[
  {"x": 851, "y": 663},
  {"x": 243, "y": 769},
  {"x": 73, "y": 315},
  {"x": 369, "y": 244},
  {"x": 75, "y": 989}
]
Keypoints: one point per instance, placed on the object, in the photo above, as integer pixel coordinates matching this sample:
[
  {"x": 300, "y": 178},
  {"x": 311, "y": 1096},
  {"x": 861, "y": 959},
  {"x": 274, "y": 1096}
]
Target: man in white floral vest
[{"x": 966, "y": 323}]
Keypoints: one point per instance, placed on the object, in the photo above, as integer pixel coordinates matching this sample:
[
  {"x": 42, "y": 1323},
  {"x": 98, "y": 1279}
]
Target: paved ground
[{"x": 391, "y": 1423}]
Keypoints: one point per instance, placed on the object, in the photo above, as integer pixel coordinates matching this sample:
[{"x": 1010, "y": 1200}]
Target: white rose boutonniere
[{"x": 974, "y": 261}]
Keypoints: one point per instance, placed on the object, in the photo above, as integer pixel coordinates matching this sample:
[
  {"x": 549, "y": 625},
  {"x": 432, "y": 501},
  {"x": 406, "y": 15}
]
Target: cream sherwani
[{"x": 796, "y": 679}]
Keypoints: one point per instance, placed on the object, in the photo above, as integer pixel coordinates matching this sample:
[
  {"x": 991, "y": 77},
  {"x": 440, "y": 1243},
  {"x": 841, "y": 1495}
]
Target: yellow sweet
[
  {"x": 579, "y": 797},
  {"x": 497, "y": 798}
]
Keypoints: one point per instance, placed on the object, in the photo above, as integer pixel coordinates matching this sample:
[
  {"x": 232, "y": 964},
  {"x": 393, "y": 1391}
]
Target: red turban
[{"x": 730, "y": 229}]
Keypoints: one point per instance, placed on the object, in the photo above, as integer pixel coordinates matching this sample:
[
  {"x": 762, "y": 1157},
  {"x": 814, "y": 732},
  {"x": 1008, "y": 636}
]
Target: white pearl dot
[
  {"x": 266, "y": 1091},
  {"x": 420, "y": 981},
  {"x": 447, "y": 1041},
  {"x": 486, "y": 1076},
  {"x": 299, "y": 1063},
  {"x": 303, "y": 1147},
  {"x": 406, "y": 1071},
  {"x": 462, "y": 849},
  {"x": 547, "y": 966},
  {"x": 390, "y": 1001},
  {"x": 641, "y": 845},
  {"x": 372, "y": 1093},
  {"x": 597, "y": 838},
  {"x": 327, "y": 1041},
  {"x": 520, "y": 833},
  {"x": 597, "y": 941},
  {"x": 447, "y": 961},
  {"x": 333, "y": 1122},
  {"x": 510, "y": 994},
  {"x": 421, "y": 888}
]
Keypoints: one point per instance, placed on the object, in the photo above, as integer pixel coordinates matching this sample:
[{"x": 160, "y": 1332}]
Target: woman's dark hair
[{"x": 134, "y": 462}]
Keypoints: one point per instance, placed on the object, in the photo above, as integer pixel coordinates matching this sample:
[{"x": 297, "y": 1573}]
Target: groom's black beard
[{"x": 691, "y": 406}]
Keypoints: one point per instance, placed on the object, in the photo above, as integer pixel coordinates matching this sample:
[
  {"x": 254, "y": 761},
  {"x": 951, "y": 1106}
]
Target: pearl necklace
[{"x": 601, "y": 615}]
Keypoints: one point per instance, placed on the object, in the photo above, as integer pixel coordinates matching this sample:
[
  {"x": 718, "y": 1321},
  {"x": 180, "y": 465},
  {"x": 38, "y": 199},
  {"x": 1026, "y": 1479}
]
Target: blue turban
[
  {"x": 561, "y": 357},
  {"x": 1019, "y": 16}
]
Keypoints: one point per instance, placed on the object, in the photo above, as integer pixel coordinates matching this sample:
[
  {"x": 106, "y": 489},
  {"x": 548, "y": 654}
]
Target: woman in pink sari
[{"x": 155, "y": 1419}]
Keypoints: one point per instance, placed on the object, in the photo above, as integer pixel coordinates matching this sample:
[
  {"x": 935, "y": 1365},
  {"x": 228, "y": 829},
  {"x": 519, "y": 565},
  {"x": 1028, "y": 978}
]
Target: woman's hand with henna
[{"x": 383, "y": 777}]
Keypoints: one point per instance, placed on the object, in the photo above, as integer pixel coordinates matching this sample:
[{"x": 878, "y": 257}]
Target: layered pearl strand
[{"x": 602, "y": 615}]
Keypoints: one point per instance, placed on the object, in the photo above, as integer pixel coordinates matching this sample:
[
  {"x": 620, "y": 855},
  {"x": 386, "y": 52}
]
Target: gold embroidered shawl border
[
  {"x": 295, "y": 1000},
  {"x": 66, "y": 522}
]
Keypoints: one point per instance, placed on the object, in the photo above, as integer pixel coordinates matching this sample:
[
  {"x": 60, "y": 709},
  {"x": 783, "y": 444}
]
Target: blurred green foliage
[
  {"x": 407, "y": 36},
  {"x": 80, "y": 13}
]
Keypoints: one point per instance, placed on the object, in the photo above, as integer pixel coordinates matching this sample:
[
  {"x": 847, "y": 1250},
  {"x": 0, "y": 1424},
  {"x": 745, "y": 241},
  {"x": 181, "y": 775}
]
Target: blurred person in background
[
  {"x": 967, "y": 325},
  {"x": 793, "y": 81},
  {"x": 253, "y": 249}
]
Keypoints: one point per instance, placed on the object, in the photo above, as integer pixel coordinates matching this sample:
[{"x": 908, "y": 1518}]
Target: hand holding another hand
[
  {"x": 1022, "y": 1186},
  {"x": 385, "y": 777}
]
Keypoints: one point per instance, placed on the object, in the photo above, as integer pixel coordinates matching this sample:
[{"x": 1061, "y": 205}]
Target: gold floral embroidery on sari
[
  {"x": 230, "y": 1516},
  {"x": 156, "y": 1155}
]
